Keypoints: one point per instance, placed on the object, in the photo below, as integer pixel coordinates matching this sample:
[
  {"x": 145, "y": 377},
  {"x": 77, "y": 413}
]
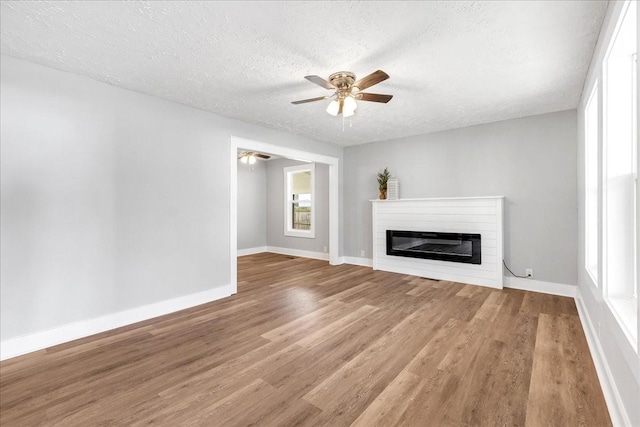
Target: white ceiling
[{"x": 452, "y": 64}]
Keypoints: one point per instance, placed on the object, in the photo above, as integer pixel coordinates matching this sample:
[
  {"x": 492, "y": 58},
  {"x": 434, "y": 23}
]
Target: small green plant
[{"x": 383, "y": 177}]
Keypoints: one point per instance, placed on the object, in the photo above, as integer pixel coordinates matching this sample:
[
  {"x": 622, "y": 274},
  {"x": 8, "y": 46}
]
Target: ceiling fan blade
[
  {"x": 320, "y": 82},
  {"x": 320, "y": 98},
  {"x": 262, "y": 156},
  {"x": 373, "y": 97},
  {"x": 372, "y": 79}
]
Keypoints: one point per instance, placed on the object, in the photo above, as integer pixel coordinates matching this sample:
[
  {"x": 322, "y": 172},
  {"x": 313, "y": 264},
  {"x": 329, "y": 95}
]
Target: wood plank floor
[{"x": 305, "y": 343}]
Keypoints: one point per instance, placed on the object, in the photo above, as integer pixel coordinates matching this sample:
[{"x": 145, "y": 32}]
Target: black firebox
[{"x": 456, "y": 247}]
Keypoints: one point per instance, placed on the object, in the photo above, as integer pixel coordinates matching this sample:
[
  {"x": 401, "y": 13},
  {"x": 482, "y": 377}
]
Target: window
[
  {"x": 299, "y": 201},
  {"x": 591, "y": 184},
  {"x": 620, "y": 174}
]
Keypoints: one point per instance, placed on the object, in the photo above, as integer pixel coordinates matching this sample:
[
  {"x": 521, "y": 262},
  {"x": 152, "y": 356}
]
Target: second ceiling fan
[{"x": 347, "y": 90}]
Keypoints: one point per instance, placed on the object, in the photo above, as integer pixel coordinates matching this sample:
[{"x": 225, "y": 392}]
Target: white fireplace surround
[{"x": 481, "y": 215}]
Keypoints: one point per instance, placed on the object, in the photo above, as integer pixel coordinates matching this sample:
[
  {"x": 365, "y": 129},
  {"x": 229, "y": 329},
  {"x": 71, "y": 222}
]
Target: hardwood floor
[{"x": 305, "y": 343}]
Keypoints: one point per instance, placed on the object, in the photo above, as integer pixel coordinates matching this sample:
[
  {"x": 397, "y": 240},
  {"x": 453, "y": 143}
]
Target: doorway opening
[{"x": 290, "y": 153}]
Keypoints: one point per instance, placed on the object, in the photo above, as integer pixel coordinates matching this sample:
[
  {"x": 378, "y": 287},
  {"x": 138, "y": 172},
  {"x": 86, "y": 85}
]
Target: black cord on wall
[{"x": 515, "y": 275}]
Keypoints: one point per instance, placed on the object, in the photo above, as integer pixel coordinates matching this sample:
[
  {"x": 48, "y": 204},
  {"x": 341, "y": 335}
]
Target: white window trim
[
  {"x": 288, "y": 231},
  {"x": 635, "y": 160},
  {"x": 593, "y": 97},
  {"x": 623, "y": 308}
]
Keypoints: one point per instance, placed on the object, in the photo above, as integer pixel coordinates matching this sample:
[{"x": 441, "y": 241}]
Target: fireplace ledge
[{"x": 438, "y": 198}]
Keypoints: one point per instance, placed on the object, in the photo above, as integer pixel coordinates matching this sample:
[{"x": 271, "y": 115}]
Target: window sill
[
  {"x": 304, "y": 234},
  {"x": 625, "y": 310}
]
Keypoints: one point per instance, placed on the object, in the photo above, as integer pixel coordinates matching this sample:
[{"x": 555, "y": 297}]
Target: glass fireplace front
[{"x": 455, "y": 247}]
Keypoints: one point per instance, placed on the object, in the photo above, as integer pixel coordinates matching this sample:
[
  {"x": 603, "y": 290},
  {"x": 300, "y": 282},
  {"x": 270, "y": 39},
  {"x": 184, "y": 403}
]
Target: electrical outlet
[
  {"x": 362, "y": 253},
  {"x": 528, "y": 272}
]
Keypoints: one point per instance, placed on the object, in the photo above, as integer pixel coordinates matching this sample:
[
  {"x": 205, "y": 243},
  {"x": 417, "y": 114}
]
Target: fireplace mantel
[
  {"x": 438, "y": 198},
  {"x": 481, "y": 215}
]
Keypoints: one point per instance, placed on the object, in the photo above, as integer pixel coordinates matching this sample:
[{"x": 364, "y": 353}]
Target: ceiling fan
[
  {"x": 251, "y": 156},
  {"x": 347, "y": 91}
]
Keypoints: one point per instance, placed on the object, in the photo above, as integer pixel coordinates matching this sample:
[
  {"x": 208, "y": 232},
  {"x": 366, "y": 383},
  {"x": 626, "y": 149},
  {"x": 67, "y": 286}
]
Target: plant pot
[{"x": 383, "y": 194}]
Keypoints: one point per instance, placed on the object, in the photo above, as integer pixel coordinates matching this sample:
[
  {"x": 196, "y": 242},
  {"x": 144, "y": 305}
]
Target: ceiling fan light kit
[
  {"x": 347, "y": 90},
  {"x": 248, "y": 158},
  {"x": 349, "y": 106}
]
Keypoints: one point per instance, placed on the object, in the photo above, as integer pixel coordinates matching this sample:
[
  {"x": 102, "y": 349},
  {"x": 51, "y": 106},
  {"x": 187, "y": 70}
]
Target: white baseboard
[
  {"x": 540, "y": 286},
  {"x": 37, "y": 341},
  {"x": 251, "y": 251},
  {"x": 298, "y": 252},
  {"x": 364, "y": 262},
  {"x": 619, "y": 416},
  {"x": 509, "y": 282}
]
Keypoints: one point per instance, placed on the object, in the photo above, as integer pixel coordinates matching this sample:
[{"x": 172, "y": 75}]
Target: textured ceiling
[{"x": 452, "y": 64}]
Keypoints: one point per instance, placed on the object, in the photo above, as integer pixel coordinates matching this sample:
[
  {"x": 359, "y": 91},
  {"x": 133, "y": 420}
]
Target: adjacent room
[{"x": 319, "y": 213}]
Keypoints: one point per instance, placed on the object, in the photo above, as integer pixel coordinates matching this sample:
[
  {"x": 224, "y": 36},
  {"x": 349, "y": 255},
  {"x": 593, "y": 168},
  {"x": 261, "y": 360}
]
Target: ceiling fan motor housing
[{"x": 342, "y": 80}]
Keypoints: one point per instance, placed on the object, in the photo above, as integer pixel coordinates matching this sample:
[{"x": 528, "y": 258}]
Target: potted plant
[{"x": 383, "y": 178}]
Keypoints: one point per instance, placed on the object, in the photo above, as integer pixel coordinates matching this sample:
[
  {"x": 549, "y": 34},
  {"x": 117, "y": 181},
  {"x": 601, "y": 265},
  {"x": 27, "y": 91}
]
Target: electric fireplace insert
[{"x": 455, "y": 247}]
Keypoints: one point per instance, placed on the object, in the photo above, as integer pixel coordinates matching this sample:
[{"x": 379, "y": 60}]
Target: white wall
[
  {"x": 110, "y": 199},
  {"x": 531, "y": 161},
  {"x": 275, "y": 208},
  {"x": 619, "y": 363},
  {"x": 252, "y": 205}
]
